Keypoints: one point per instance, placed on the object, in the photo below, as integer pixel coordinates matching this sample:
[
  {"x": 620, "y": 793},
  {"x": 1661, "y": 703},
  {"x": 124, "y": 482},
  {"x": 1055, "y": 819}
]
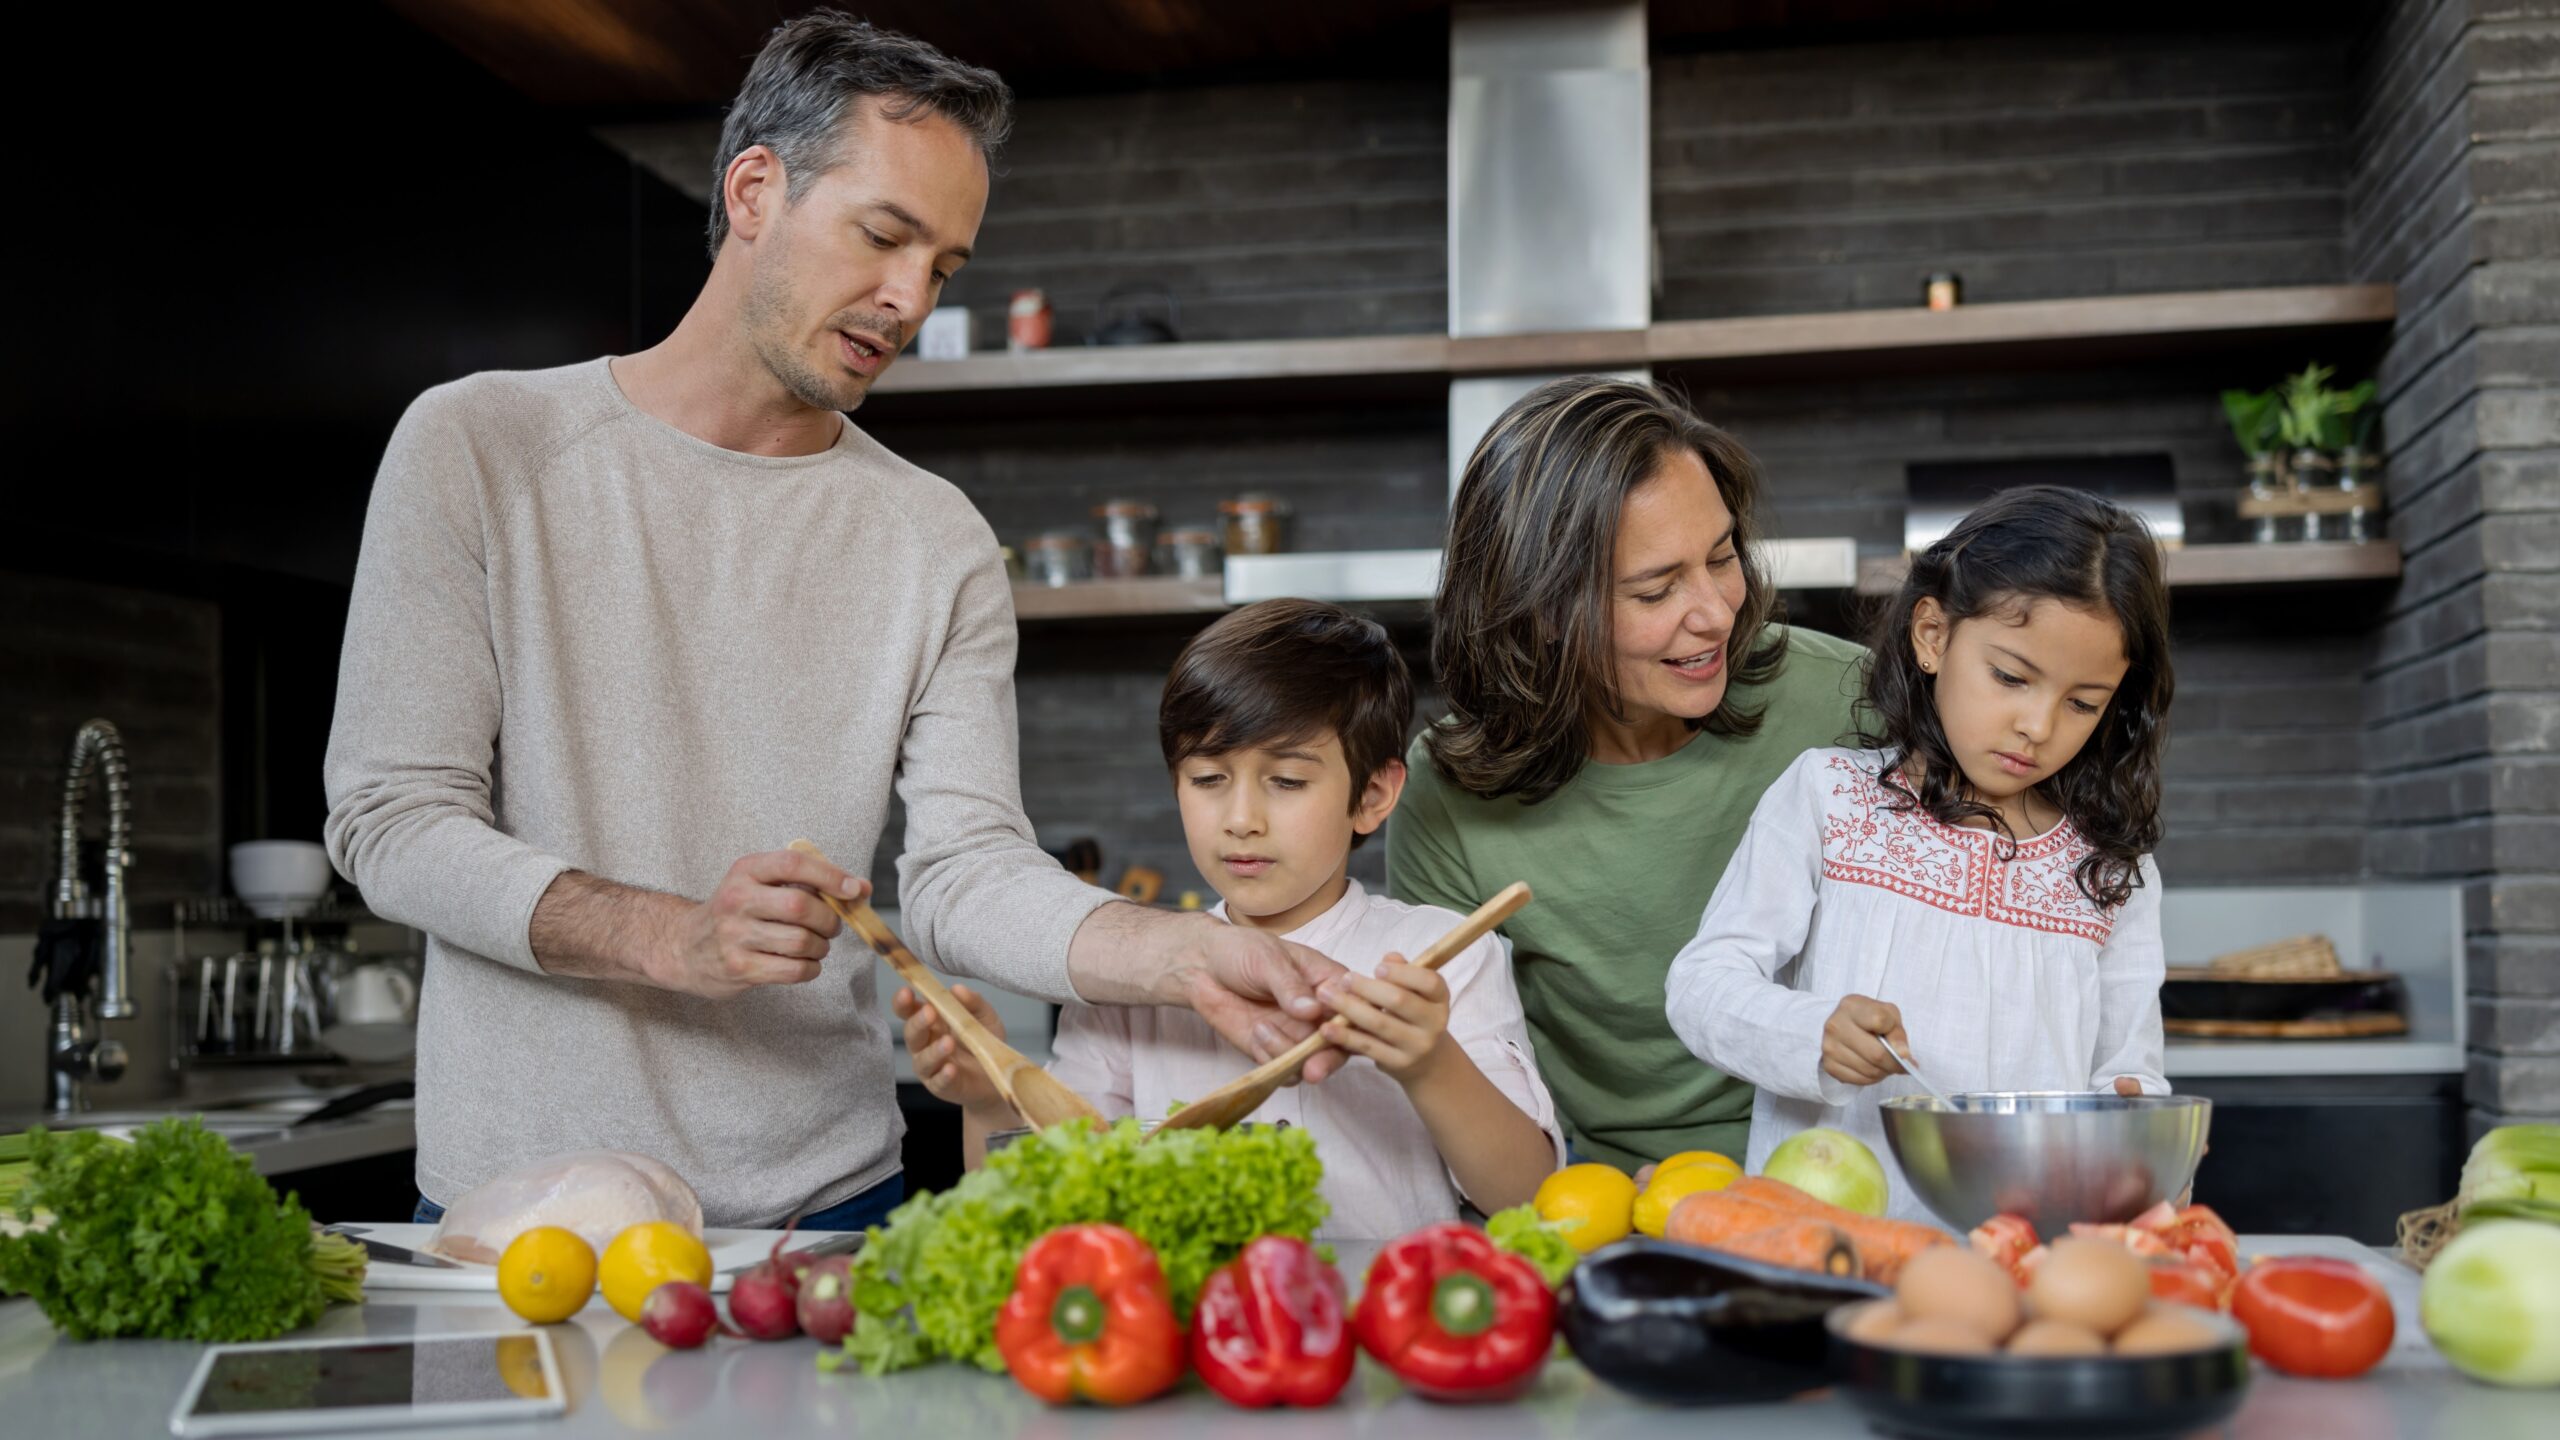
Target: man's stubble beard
[{"x": 768, "y": 324}]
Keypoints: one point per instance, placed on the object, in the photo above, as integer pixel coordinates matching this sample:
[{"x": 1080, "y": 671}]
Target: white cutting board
[{"x": 730, "y": 1250}]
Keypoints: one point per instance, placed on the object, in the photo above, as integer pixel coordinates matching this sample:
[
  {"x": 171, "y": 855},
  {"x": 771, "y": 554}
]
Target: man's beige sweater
[{"x": 582, "y": 638}]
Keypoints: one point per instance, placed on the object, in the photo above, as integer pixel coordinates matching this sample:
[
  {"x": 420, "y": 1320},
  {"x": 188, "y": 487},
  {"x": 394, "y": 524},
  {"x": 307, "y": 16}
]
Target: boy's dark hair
[
  {"x": 2040, "y": 542},
  {"x": 1286, "y": 670}
]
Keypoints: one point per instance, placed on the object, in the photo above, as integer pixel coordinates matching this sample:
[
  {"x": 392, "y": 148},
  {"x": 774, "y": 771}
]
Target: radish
[
  {"x": 765, "y": 1301},
  {"x": 680, "y": 1315},
  {"x": 826, "y": 1298}
]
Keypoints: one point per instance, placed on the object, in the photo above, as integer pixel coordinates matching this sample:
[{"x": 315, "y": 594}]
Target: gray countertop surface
[{"x": 620, "y": 1382}]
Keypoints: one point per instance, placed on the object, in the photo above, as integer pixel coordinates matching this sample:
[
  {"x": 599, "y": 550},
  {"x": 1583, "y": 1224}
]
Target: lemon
[
  {"x": 1697, "y": 1157},
  {"x": 646, "y": 1256},
  {"x": 1601, "y": 1197},
  {"x": 1675, "y": 1183},
  {"x": 546, "y": 1274}
]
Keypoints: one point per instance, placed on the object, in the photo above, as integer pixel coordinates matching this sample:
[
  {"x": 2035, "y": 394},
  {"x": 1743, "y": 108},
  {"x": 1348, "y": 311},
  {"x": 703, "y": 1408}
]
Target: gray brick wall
[
  {"x": 71, "y": 652},
  {"x": 1272, "y": 210},
  {"x": 1837, "y": 177},
  {"x": 2454, "y": 196}
]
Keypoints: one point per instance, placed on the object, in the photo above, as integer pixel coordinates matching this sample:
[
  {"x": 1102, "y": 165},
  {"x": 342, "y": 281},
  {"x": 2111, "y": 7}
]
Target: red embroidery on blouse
[{"x": 1866, "y": 841}]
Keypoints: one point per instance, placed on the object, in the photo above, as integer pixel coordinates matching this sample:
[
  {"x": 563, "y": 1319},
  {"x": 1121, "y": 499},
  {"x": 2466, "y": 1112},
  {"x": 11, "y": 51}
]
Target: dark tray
[
  {"x": 2354, "y": 993},
  {"x": 1682, "y": 1325},
  {"x": 1996, "y": 1397}
]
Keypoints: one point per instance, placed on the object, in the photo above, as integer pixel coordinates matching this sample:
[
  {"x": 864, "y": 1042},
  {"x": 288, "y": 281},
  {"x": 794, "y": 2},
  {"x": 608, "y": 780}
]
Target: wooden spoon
[
  {"x": 1037, "y": 1096},
  {"x": 1231, "y": 1102}
]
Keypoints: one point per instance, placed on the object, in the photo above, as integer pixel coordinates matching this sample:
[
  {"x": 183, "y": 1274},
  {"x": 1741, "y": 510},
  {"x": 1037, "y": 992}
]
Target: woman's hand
[
  {"x": 947, "y": 1069},
  {"x": 1398, "y": 1017},
  {"x": 1851, "y": 1052}
]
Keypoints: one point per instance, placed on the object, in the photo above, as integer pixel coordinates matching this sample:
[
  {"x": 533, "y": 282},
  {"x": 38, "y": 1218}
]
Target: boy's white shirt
[{"x": 1383, "y": 1175}]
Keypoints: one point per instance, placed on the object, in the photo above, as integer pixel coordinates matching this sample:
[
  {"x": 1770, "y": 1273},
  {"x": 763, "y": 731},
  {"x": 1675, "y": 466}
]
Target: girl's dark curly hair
[{"x": 2038, "y": 542}]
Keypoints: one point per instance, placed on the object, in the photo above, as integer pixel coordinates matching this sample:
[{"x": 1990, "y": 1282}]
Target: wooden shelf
[
  {"x": 1105, "y": 599},
  {"x": 2304, "y": 562},
  {"x": 1775, "y": 347}
]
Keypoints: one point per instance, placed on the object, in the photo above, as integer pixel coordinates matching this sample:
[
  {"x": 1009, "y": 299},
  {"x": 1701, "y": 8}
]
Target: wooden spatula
[
  {"x": 1231, "y": 1102},
  {"x": 1034, "y": 1094}
]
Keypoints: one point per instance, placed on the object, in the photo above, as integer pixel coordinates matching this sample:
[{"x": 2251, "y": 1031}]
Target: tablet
[{"x": 291, "y": 1387}]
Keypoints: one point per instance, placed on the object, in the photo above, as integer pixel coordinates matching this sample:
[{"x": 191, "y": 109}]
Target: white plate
[{"x": 730, "y": 1249}]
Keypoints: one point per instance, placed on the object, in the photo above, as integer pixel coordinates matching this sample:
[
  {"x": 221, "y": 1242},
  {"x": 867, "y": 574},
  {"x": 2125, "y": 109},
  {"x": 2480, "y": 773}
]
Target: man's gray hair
[{"x": 804, "y": 83}]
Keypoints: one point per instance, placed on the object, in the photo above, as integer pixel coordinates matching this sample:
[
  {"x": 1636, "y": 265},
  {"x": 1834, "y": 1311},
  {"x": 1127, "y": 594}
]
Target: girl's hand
[
  {"x": 1851, "y": 1053},
  {"x": 1398, "y": 1017},
  {"x": 2126, "y": 1085},
  {"x": 947, "y": 1069}
]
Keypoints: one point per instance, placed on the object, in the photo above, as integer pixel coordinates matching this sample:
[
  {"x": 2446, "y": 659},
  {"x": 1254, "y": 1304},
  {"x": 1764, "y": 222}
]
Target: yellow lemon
[
  {"x": 646, "y": 1256},
  {"x": 1675, "y": 1183},
  {"x": 1697, "y": 1157},
  {"x": 1599, "y": 1196},
  {"x": 546, "y": 1274}
]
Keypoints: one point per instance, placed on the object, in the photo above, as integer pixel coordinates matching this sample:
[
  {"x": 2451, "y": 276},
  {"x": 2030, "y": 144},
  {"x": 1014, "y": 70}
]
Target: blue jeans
[{"x": 861, "y": 1212}]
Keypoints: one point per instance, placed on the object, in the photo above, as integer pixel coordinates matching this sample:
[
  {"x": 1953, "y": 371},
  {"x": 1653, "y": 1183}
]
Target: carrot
[
  {"x": 1710, "y": 1217},
  {"x": 1799, "y": 1245},
  {"x": 1885, "y": 1244}
]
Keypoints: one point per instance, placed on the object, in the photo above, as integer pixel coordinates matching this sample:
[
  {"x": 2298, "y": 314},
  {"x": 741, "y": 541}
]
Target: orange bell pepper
[{"x": 1090, "y": 1319}]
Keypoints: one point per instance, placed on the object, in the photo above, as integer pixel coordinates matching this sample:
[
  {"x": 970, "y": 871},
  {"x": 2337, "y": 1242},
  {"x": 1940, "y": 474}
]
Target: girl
[{"x": 1975, "y": 884}]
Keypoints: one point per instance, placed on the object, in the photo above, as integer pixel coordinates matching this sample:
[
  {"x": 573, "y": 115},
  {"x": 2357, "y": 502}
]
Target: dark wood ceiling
[{"x": 623, "y": 58}]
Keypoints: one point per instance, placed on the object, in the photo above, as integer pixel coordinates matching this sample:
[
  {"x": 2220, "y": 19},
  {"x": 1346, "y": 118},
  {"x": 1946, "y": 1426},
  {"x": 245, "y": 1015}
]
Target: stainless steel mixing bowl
[{"x": 2053, "y": 1157}]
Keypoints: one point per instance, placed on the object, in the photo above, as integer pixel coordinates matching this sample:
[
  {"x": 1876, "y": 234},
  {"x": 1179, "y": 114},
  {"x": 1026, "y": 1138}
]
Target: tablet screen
[{"x": 461, "y": 1370}]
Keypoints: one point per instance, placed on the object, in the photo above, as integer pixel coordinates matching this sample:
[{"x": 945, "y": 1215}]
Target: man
[{"x": 618, "y": 624}]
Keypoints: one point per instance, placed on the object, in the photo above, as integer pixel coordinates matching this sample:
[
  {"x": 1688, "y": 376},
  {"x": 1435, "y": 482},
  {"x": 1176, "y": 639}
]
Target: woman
[{"x": 1619, "y": 697}]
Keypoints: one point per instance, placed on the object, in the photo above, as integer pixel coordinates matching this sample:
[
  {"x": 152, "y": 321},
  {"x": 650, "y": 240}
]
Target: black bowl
[
  {"x": 1682, "y": 1325},
  {"x": 1995, "y": 1397}
]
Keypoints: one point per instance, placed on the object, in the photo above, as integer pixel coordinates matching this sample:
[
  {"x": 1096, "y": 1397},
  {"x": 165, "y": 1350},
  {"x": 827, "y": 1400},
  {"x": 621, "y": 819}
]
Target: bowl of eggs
[
  {"x": 2083, "y": 1350},
  {"x": 2051, "y": 1158}
]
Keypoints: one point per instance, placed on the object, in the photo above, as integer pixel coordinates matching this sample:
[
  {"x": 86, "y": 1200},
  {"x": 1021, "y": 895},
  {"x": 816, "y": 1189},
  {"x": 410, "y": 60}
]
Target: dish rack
[{"x": 244, "y": 991}]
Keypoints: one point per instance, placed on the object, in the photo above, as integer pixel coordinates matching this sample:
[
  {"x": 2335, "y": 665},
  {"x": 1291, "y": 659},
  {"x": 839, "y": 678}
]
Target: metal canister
[
  {"x": 1193, "y": 552},
  {"x": 1128, "y": 538},
  {"x": 1255, "y": 524},
  {"x": 1028, "y": 321},
  {"x": 1060, "y": 557}
]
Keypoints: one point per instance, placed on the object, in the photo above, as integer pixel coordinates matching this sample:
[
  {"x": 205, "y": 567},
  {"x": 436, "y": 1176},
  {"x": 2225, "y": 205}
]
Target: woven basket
[
  {"x": 2303, "y": 957},
  {"x": 2425, "y": 1232}
]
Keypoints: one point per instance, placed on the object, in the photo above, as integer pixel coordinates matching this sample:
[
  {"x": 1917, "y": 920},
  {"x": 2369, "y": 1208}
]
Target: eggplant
[{"x": 1683, "y": 1325}]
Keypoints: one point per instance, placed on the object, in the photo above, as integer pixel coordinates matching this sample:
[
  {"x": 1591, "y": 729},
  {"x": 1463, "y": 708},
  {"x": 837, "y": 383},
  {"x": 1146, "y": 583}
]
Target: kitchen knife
[
  {"x": 842, "y": 1243},
  {"x": 390, "y": 1254}
]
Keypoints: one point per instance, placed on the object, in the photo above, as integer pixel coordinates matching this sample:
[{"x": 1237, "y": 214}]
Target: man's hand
[
  {"x": 763, "y": 926},
  {"x": 1255, "y": 989},
  {"x": 1851, "y": 1053}
]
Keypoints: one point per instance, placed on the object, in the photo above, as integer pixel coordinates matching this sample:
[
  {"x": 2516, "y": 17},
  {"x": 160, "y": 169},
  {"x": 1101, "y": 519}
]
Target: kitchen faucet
[{"x": 77, "y": 1050}]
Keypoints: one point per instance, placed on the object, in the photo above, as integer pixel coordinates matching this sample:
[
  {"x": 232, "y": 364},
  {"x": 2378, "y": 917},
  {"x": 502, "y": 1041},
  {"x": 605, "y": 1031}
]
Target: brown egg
[
  {"x": 2167, "y": 1330},
  {"x": 1952, "y": 1283},
  {"x": 2055, "y": 1337},
  {"x": 1938, "y": 1335},
  {"x": 1875, "y": 1321},
  {"x": 2094, "y": 1284}
]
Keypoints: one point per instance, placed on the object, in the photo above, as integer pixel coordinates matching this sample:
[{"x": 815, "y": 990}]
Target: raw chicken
[{"x": 591, "y": 1193}]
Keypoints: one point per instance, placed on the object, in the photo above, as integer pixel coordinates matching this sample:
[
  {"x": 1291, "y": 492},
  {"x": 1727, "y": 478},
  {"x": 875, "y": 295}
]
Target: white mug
[{"x": 375, "y": 995}]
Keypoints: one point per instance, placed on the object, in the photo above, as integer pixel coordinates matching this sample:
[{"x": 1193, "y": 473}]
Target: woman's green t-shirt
[{"x": 1622, "y": 859}]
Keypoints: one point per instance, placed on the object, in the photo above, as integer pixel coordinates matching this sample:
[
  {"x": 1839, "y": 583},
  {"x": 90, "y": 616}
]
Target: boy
[{"x": 1283, "y": 725}]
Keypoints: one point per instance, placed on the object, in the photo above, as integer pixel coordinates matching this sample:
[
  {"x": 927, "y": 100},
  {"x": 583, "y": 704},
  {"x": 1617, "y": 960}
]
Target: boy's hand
[
  {"x": 1851, "y": 1053},
  {"x": 1398, "y": 1017},
  {"x": 947, "y": 1069}
]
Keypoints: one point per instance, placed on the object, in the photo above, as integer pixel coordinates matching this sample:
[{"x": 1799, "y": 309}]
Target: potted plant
[
  {"x": 2253, "y": 415},
  {"x": 2359, "y": 464}
]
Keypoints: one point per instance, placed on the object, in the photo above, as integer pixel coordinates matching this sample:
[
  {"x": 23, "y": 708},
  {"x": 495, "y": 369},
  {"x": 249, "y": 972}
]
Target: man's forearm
[
  {"x": 591, "y": 928},
  {"x": 1119, "y": 956}
]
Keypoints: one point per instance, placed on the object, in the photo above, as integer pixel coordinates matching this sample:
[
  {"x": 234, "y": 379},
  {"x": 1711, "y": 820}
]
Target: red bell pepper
[
  {"x": 1273, "y": 1328},
  {"x": 1089, "y": 1319},
  {"x": 1455, "y": 1318}
]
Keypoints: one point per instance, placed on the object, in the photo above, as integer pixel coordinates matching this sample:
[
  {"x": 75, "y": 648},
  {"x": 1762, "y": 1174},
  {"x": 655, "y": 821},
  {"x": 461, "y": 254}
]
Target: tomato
[
  {"x": 2187, "y": 1283},
  {"x": 2004, "y": 1240},
  {"x": 2312, "y": 1316}
]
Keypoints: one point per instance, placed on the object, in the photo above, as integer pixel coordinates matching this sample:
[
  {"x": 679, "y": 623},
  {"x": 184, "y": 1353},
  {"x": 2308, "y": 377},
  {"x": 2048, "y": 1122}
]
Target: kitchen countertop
[
  {"x": 266, "y": 1133},
  {"x": 621, "y": 1382}
]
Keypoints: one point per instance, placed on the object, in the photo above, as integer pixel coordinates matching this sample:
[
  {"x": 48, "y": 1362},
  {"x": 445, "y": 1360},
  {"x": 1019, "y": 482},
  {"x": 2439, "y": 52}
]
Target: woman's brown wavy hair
[
  {"x": 1521, "y": 629},
  {"x": 2038, "y": 542}
]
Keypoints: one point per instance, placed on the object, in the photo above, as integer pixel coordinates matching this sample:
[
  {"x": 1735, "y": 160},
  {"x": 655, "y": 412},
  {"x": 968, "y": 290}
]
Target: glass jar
[
  {"x": 1060, "y": 557},
  {"x": 1255, "y": 524},
  {"x": 1128, "y": 538},
  {"x": 1193, "y": 553}
]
